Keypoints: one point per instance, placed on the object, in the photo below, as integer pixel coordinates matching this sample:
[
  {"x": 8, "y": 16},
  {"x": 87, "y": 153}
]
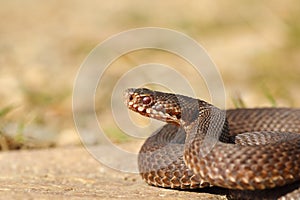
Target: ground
[{"x": 72, "y": 173}]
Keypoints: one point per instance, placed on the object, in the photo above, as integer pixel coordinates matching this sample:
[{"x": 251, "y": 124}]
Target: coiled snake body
[{"x": 201, "y": 145}]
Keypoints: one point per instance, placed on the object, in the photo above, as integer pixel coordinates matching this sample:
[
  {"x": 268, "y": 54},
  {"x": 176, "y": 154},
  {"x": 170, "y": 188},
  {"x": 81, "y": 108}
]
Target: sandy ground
[{"x": 72, "y": 173}]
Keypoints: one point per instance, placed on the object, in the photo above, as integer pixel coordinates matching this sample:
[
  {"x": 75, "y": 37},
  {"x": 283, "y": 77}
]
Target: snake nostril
[{"x": 130, "y": 98}]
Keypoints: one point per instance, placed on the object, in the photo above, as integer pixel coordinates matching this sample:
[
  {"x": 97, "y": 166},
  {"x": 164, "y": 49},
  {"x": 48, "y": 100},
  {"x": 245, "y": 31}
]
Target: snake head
[{"x": 153, "y": 104}]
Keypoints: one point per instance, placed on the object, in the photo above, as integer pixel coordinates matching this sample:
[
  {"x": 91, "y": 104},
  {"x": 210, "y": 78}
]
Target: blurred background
[{"x": 254, "y": 44}]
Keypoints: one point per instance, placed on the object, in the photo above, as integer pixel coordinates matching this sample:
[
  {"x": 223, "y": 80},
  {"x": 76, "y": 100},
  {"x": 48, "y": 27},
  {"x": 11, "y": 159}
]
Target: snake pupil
[{"x": 146, "y": 100}]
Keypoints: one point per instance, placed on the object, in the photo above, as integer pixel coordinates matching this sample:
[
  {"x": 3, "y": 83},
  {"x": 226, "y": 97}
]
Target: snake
[{"x": 242, "y": 149}]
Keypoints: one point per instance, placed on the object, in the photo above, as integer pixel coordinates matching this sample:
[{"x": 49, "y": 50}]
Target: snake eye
[{"x": 146, "y": 100}]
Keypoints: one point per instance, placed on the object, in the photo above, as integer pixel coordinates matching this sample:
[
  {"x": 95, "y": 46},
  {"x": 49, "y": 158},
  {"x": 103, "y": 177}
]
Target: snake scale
[{"x": 256, "y": 149}]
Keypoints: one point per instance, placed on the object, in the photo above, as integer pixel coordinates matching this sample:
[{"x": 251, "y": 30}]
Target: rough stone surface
[{"x": 72, "y": 173}]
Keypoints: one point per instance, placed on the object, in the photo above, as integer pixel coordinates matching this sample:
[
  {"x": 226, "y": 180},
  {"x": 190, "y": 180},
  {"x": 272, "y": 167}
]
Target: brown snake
[{"x": 256, "y": 149}]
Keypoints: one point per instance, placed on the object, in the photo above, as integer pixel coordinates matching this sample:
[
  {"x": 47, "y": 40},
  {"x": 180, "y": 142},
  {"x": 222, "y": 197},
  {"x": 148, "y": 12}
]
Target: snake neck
[{"x": 201, "y": 119}]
